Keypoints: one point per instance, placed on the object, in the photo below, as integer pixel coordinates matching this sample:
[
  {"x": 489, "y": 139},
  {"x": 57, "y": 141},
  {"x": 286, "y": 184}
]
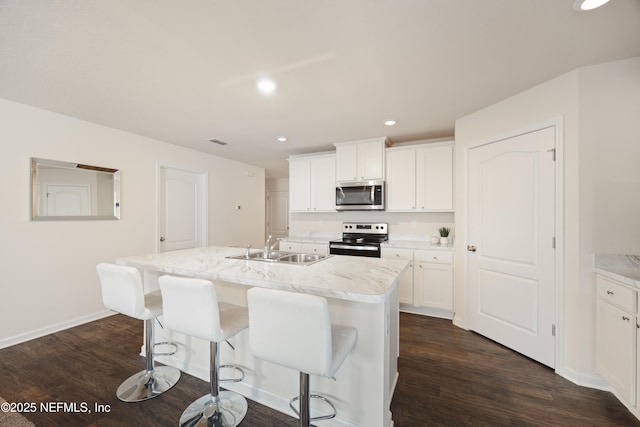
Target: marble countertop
[
  {"x": 623, "y": 268},
  {"x": 349, "y": 278}
]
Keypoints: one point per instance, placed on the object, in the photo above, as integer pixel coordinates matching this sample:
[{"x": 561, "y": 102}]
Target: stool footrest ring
[
  {"x": 170, "y": 353},
  {"x": 232, "y": 380},
  {"x": 315, "y": 396}
]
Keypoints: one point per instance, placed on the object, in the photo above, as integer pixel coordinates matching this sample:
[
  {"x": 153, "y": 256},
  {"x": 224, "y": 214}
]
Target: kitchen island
[{"x": 362, "y": 293}]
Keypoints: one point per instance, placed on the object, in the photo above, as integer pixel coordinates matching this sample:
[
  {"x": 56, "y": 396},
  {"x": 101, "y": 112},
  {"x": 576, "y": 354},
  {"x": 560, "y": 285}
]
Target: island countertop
[{"x": 349, "y": 278}]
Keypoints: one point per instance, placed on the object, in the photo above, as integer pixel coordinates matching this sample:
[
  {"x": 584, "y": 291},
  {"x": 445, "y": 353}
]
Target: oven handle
[{"x": 356, "y": 248}]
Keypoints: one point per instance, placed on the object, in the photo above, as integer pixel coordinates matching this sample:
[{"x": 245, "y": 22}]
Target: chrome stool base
[
  {"x": 231, "y": 409},
  {"x": 148, "y": 384}
]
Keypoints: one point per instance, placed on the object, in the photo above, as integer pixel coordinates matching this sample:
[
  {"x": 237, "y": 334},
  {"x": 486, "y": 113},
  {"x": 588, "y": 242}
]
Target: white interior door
[
  {"x": 67, "y": 200},
  {"x": 511, "y": 255},
  {"x": 183, "y": 208},
  {"x": 278, "y": 213}
]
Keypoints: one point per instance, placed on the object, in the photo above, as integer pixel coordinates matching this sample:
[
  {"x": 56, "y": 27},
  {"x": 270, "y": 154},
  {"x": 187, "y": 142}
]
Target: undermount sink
[
  {"x": 281, "y": 257},
  {"x": 301, "y": 258}
]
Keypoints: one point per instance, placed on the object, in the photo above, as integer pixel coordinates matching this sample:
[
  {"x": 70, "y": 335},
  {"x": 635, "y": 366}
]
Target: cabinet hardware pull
[
  {"x": 625, "y": 318},
  {"x": 609, "y": 292},
  {"x": 471, "y": 248}
]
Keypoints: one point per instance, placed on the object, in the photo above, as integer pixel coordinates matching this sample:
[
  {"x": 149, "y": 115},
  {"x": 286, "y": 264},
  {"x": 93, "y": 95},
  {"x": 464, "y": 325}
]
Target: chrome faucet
[{"x": 267, "y": 248}]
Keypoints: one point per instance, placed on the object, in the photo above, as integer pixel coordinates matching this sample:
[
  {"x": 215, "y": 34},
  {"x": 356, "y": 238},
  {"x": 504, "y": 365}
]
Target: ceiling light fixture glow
[
  {"x": 588, "y": 4},
  {"x": 282, "y": 138},
  {"x": 390, "y": 123},
  {"x": 266, "y": 85}
]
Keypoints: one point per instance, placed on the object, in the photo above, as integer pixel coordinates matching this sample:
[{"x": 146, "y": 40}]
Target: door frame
[
  {"x": 558, "y": 123},
  {"x": 204, "y": 180}
]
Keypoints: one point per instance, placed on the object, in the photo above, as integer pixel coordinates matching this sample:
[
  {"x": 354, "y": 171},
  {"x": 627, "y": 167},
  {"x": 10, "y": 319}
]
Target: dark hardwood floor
[{"x": 448, "y": 377}]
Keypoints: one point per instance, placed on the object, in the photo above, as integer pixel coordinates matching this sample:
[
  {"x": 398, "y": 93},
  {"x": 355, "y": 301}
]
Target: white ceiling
[{"x": 185, "y": 71}]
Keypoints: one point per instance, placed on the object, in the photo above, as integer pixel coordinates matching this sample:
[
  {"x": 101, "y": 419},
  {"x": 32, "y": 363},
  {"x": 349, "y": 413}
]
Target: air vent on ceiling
[{"x": 217, "y": 141}]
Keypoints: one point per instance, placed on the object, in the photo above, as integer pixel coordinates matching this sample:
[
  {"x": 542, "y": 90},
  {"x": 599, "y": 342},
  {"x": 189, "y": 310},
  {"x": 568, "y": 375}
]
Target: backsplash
[{"x": 402, "y": 226}]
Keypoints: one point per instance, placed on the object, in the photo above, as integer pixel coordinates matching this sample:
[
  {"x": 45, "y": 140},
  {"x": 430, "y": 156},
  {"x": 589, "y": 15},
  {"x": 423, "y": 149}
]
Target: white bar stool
[
  {"x": 122, "y": 291},
  {"x": 191, "y": 307},
  {"x": 294, "y": 330}
]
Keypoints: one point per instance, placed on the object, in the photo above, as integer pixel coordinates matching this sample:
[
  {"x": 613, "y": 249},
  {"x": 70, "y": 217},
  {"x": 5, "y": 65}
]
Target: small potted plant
[{"x": 444, "y": 235}]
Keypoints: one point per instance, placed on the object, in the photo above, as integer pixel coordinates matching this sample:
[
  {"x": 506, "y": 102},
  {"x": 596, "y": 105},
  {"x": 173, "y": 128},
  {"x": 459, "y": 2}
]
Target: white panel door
[
  {"x": 183, "y": 202},
  {"x": 511, "y": 243}
]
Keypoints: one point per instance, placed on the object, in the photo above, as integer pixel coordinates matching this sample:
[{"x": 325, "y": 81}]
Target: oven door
[
  {"x": 363, "y": 196},
  {"x": 359, "y": 249}
]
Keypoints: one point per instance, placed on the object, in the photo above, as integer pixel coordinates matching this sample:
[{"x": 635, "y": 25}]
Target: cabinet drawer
[
  {"x": 397, "y": 253},
  {"x": 290, "y": 246},
  {"x": 434, "y": 257},
  {"x": 315, "y": 248},
  {"x": 618, "y": 294}
]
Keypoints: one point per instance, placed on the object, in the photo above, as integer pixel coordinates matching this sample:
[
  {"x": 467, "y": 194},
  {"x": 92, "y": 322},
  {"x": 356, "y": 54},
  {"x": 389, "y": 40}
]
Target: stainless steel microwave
[{"x": 360, "y": 196}]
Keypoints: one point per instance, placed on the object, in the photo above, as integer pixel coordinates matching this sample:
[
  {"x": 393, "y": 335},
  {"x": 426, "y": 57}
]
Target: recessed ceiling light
[
  {"x": 282, "y": 138},
  {"x": 588, "y": 4},
  {"x": 390, "y": 123},
  {"x": 266, "y": 85}
]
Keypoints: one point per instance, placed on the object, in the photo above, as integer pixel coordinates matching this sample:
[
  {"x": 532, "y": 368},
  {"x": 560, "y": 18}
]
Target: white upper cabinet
[
  {"x": 401, "y": 180},
  {"x": 360, "y": 160},
  {"x": 420, "y": 178},
  {"x": 312, "y": 183},
  {"x": 434, "y": 178}
]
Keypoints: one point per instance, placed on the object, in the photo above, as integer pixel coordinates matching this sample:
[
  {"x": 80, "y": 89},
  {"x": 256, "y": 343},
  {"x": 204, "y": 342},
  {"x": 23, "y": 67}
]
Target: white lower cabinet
[
  {"x": 617, "y": 338},
  {"x": 405, "y": 288},
  {"x": 428, "y": 287},
  {"x": 434, "y": 279}
]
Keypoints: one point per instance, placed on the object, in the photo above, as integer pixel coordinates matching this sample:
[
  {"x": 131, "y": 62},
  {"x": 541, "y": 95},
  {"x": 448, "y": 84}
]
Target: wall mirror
[{"x": 73, "y": 191}]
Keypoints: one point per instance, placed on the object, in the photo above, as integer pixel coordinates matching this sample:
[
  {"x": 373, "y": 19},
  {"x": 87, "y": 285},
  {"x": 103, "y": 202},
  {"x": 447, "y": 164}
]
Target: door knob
[
  {"x": 471, "y": 248},
  {"x": 162, "y": 239}
]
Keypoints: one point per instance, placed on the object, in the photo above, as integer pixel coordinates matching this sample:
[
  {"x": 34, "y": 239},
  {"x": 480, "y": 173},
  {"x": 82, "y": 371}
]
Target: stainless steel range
[{"x": 360, "y": 239}]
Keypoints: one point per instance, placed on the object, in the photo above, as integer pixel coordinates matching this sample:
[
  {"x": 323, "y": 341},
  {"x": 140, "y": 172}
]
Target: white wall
[
  {"x": 599, "y": 106},
  {"x": 48, "y": 267}
]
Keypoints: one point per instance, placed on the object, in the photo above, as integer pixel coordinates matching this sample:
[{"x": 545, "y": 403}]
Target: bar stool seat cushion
[{"x": 309, "y": 344}]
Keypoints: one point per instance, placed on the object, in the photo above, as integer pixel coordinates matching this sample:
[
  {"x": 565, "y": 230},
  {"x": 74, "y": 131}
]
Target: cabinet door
[
  {"x": 300, "y": 185},
  {"x": 405, "y": 287},
  {"x": 434, "y": 280},
  {"x": 434, "y": 178},
  {"x": 315, "y": 248},
  {"x": 616, "y": 352},
  {"x": 370, "y": 160},
  {"x": 323, "y": 184},
  {"x": 401, "y": 181},
  {"x": 347, "y": 162}
]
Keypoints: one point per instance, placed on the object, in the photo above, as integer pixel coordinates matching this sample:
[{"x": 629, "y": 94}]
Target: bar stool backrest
[
  {"x": 191, "y": 307},
  {"x": 291, "y": 329},
  {"x": 122, "y": 290}
]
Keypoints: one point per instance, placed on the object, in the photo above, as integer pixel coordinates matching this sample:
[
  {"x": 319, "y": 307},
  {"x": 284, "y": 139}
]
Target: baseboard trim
[{"x": 38, "y": 333}]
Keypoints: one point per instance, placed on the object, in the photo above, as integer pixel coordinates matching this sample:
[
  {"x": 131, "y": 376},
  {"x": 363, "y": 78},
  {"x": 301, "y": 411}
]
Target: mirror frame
[{"x": 35, "y": 162}]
